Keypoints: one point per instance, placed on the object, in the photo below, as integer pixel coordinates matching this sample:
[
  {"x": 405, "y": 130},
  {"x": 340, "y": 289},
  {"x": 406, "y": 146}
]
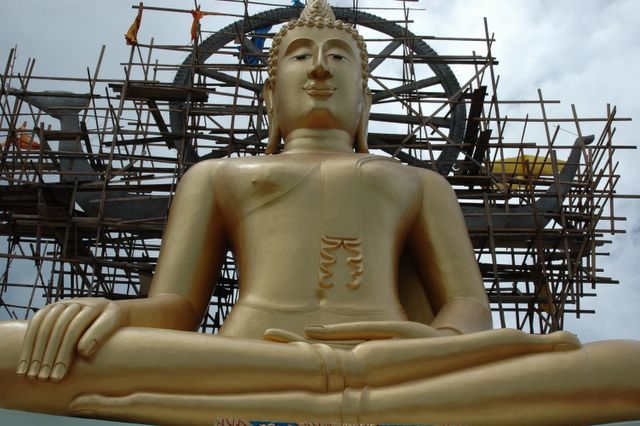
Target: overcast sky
[{"x": 582, "y": 52}]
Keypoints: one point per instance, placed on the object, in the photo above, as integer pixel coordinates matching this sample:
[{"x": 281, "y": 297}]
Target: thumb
[
  {"x": 370, "y": 330},
  {"x": 282, "y": 336},
  {"x": 102, "y": 328}
]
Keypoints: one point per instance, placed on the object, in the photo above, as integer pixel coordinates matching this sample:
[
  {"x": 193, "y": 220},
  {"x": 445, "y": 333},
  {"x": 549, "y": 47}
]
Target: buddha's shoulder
[
  {"x": 431, "y": 177},
  {"x": 394, "y": 166},
  {"x": 429, "y": 180},
  {"x": 223, "y": 166},
  {"x": 239, "y": 163},
  {"x": 229, "y": 173},
  {"x": 371, "y": 163},
  {"x": 434, "y": 184}
]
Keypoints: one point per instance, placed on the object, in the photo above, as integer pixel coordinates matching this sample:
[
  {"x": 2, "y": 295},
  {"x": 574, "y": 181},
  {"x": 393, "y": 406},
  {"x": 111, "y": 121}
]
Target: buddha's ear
[
  {"x": 361, "y": 134},
  {"x": 274, "y": 127}
]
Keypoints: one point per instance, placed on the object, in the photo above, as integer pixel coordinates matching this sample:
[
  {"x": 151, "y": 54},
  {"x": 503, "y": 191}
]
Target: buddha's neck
[{"x": 318, "y": 140}]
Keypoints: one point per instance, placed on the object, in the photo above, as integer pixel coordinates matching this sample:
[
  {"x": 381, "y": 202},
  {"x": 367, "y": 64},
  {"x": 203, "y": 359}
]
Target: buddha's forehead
[{"x": 319, "y": 36}]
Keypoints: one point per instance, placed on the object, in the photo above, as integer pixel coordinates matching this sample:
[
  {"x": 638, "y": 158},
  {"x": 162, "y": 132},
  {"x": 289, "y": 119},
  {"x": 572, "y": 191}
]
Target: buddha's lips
[{"x": 321, "y": 90}]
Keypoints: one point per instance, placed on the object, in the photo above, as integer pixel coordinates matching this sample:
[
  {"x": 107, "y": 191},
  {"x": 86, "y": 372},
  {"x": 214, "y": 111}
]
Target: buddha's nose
[{"x": 320, "y": 69}]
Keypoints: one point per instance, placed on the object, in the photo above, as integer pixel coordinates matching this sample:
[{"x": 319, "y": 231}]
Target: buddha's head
[{"x": 318, "y": 71}]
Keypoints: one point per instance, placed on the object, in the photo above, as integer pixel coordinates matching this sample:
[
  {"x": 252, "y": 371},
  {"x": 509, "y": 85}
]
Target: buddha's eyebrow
[
  {"x": 297, "y": 43},
  {"x": 340, "y": 44}
]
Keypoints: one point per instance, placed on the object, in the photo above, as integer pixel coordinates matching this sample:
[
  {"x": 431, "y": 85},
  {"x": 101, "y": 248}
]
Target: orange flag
[
  {"x": 132, "y": 35},
  {"x": 23, "y": 139},
  {"x": 197, "y": 16}
]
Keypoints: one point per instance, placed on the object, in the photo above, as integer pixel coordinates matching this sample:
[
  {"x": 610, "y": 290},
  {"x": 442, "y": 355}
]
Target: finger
[
  {"x": 106, "y": 324},
  {"x": 370, "y": 330},
  {"x": 567, "y": 341},
  {"x": 76, "y": 328},
  {"x": 338, "y": 344},
  {"x": 57, "y": 334},
  {"x": 564, "y": 341},
  {"x": 29, "y": 340},
  {"x": 556, "y": 341},
  {"x": 44, "y": 331},
  {"x": 282, "y": 336}
]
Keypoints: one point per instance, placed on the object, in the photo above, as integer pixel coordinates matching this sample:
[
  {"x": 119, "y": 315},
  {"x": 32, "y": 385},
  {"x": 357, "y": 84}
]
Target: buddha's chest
[
  {"x": 339, "y": 192},
  {"x": 331, "y": 227}
]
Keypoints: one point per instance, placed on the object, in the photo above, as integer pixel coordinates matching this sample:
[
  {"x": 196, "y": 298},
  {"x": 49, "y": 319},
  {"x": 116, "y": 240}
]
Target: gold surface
[{"x": 326, "y": 327}]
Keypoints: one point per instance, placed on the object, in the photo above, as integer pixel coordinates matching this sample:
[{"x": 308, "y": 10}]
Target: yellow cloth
[
  {"x": 132, "y": 35},
  {"x": 521, "y": 166}
]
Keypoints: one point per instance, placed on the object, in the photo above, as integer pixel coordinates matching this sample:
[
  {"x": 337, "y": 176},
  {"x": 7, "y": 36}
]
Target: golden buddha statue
[{"x": 328, "y": 326}]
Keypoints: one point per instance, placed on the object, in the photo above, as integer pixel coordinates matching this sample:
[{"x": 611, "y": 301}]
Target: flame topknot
[{"x": 318, "y": 10}]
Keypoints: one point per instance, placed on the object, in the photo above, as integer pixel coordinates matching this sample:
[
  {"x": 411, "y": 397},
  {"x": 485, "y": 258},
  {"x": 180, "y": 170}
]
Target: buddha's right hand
[
  {"x": 350, "y": 334},
  {"x": 58, "y": 330}
]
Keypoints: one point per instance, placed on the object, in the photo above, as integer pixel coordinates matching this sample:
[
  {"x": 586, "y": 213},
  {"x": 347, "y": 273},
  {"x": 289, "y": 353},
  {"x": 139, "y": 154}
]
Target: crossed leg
[
  {"x": 545, "y": 388},
  {"x": 162, "y": 375}
]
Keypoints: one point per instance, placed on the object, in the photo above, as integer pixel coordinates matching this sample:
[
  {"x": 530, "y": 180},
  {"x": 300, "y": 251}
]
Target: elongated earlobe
[
  {"x": 274, "y": 127},
  {"x": 361, "y": 136}
]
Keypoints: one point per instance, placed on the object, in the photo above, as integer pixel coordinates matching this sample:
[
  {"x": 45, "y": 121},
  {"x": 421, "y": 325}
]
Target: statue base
[{"x": 14, "y": 417}]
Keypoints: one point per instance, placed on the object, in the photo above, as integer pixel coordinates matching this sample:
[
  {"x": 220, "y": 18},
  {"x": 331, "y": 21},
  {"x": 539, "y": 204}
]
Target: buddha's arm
[
  {"x": 445, "y": 260},
  {"x": 192, "y": 249}
]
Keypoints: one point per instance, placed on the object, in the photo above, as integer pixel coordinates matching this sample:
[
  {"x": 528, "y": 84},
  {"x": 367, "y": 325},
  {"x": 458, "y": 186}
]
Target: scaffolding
[{"x": 87, "y": 177}]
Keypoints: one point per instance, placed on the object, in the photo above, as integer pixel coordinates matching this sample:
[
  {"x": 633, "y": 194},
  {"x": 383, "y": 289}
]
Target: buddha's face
[{"x": 318, "y": 81}]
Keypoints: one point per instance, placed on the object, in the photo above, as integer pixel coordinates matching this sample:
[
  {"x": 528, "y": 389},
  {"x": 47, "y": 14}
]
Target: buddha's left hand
[{"x": 353, "y": 333}]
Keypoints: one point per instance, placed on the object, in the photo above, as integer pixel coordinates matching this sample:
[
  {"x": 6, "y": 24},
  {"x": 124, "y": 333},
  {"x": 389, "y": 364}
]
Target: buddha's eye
[
  {"x": 338, "y": 57},
  {"x": 302, "y": 56}
]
